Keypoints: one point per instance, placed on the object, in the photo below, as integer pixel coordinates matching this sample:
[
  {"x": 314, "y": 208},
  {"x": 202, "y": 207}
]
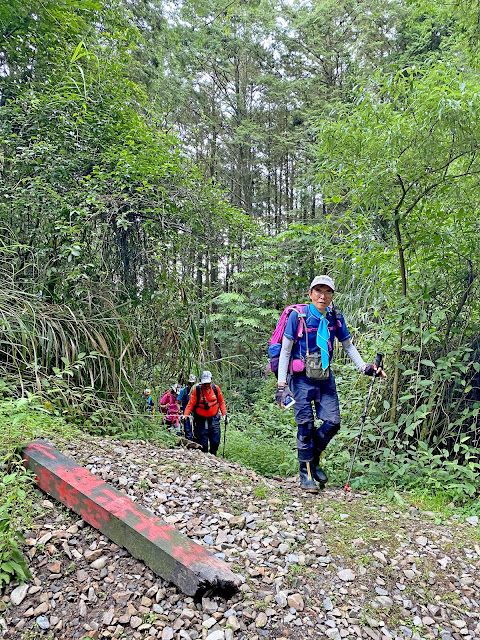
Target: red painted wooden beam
[{"x": 167, "y": 552}]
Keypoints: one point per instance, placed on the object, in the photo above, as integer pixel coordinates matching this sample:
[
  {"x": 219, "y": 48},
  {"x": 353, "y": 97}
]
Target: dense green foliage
[{"x": 171, "y": 176}]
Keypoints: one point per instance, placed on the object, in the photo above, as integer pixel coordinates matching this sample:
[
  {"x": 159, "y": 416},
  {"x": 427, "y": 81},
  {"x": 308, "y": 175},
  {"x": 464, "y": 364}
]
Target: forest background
[{"x": 174, "y": 173}]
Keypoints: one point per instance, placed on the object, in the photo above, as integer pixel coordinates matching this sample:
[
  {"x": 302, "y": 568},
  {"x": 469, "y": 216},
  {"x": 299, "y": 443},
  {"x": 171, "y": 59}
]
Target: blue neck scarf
[{"x": 323, "y": 335}]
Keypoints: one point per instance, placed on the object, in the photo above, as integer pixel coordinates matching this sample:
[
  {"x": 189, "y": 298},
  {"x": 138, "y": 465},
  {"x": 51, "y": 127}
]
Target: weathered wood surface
[{"x": 167, "y": 552}]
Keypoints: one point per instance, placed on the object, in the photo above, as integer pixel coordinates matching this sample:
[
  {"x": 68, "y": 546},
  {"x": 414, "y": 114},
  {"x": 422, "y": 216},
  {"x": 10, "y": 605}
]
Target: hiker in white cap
[
  {"x": 148, "y": 402},
  {"x": 206, "y": 403},
  {"x": 310, "y": 378}
]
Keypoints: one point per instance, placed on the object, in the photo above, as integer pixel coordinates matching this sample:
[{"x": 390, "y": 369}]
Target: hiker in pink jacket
[{"x": 170, "y": 407}]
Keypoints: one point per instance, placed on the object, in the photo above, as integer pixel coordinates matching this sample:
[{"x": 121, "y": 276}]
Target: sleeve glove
[
  {"x": 369, "y": 370},
  {"x": 281, "y": 394}
]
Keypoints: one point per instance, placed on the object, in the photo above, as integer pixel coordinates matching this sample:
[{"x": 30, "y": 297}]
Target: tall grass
[{"x": 38, "y": 338}]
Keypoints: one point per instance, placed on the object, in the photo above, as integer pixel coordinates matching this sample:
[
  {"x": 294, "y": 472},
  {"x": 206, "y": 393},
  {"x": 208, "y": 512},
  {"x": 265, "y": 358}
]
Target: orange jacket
[{"x": 206, "y": 398}]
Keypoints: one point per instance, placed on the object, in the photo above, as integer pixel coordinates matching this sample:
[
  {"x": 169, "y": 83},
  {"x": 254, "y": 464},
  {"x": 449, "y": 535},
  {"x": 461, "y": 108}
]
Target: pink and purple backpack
[{"x": 275, "y": 345}]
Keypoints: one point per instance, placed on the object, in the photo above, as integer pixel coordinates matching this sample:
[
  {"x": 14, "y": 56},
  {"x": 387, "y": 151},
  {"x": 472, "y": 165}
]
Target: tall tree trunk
[{"x": 403, "y": 277}]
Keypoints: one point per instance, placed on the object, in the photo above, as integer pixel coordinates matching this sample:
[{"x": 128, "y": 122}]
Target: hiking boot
[
  {"x": 307, "y": 482},
  {"x": 318, "y": 473}
]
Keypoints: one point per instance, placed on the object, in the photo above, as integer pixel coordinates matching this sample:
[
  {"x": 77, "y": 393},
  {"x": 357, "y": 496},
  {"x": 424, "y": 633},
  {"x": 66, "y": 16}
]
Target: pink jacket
[{"x": 172, "y": 404}]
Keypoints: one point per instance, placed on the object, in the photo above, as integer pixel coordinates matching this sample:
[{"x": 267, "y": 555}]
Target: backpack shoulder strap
[
  {"x": 301, "y": 310},
  {"x": 197, "y": 399}
]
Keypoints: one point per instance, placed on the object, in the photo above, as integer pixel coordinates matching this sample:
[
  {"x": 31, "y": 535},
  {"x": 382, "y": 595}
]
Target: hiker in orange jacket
[{"x": 206, "y": 403}]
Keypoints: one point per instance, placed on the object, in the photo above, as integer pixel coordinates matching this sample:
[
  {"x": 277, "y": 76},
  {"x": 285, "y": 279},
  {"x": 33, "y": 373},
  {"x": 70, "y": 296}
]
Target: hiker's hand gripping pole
[{"x": 378, "y": 364}]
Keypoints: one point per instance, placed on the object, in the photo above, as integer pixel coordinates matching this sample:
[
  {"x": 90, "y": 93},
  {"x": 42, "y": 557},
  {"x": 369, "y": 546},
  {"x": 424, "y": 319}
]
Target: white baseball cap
[
  {"x": 192, "y": 378},
  {"x": 326, "y": 280},
  {"x": 206, "y": 377},
  {"x": 147, "y": 392}
]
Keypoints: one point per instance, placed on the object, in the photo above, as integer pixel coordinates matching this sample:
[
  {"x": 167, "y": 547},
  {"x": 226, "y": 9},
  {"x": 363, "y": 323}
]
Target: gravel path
[{"x": 314, "y": 566}]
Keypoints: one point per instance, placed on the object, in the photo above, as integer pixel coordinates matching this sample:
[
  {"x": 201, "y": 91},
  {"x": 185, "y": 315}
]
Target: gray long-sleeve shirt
[{"x": 287, "y": 345}]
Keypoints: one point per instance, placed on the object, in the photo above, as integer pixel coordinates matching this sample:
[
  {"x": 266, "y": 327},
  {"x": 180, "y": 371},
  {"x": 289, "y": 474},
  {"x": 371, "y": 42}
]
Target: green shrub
[
  {"x": 13, "y": 495},
  {"x": 268, "y": 456}
]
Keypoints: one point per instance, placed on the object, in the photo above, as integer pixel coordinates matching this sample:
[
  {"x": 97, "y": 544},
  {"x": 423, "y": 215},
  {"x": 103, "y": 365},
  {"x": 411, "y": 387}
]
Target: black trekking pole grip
[{"x": 378, "y": 360}]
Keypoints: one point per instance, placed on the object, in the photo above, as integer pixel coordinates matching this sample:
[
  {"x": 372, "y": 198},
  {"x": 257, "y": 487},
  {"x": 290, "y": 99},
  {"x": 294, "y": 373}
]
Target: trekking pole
[
  {"x": 378, "y": 363},
  {"x": 224, "y": 435}
]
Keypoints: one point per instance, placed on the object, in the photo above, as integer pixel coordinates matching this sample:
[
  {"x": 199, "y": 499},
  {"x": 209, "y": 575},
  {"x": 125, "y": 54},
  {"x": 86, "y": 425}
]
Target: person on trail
[
  {"x": 170, "y": 407},
  {"x": 206, "y": 402},
  {"x": 315, "y": 383},
  {"x": 183, "y": 398},
  {"x": 148, "y": 404}
]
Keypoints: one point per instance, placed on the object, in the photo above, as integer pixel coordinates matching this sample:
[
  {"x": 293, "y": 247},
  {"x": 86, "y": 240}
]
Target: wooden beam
[{"x": 167, "y": 552}]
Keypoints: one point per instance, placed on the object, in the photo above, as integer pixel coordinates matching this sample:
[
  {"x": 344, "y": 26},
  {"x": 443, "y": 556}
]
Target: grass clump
[
  {"x": 21, "y": 421},
  {"x": 262, "y": 437},
  {"x": 255, "y": 450}
]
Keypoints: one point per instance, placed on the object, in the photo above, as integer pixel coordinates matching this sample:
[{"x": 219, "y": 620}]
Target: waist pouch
[
  {"x": 314, "y": 369},
  {"x": 296, "y": 365}
]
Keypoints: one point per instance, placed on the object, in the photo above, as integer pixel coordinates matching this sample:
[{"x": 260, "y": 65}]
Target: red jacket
[{"x": 207, "y": 397}]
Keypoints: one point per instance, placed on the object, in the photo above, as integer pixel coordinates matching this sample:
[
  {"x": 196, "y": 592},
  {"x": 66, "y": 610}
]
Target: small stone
[
  {"x": 43, "y": 622},
  {"x": 346, "y": 575},
  {"x": 209, "y": 623},
  {"x": 188, "y": 613},
  {"x": 409, "y": 574},
  {"x": 473, "y": 520},
  {"x": 167, "y": 633},
  {"x": 427, "y": 621},
  {"x": 42, "y": 608},
  {"x": 296, "y": 602},
  {"x": 44, "y": 539},
  {"x": 135, "y": 622},
  {"x": 209, "y": 606},
  {"x": 284, "y": 548},
  {"x": 18, "y": 594},
  {"x": 219, "y": 634},
  {"x": 384, "y": 601},
  {"x": 261, "y": 620},
  {"x": 422, "y": 541},
  {"x": 233, "y": 622},
  {"x": 108, "y": 616},
  {"x": 237, "y": 522},
  {"x": 327, "y": 603},
  {"x": 90, "y": 556},
  {"x": 460, "y": 624},
  {"x": 99, "y": 563},
  {"x": 55, "y": 567},
  {"x": 380, "y": 556},
  {"x": 125, "y": 618},
  {"x": 281, "y": 599}
]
